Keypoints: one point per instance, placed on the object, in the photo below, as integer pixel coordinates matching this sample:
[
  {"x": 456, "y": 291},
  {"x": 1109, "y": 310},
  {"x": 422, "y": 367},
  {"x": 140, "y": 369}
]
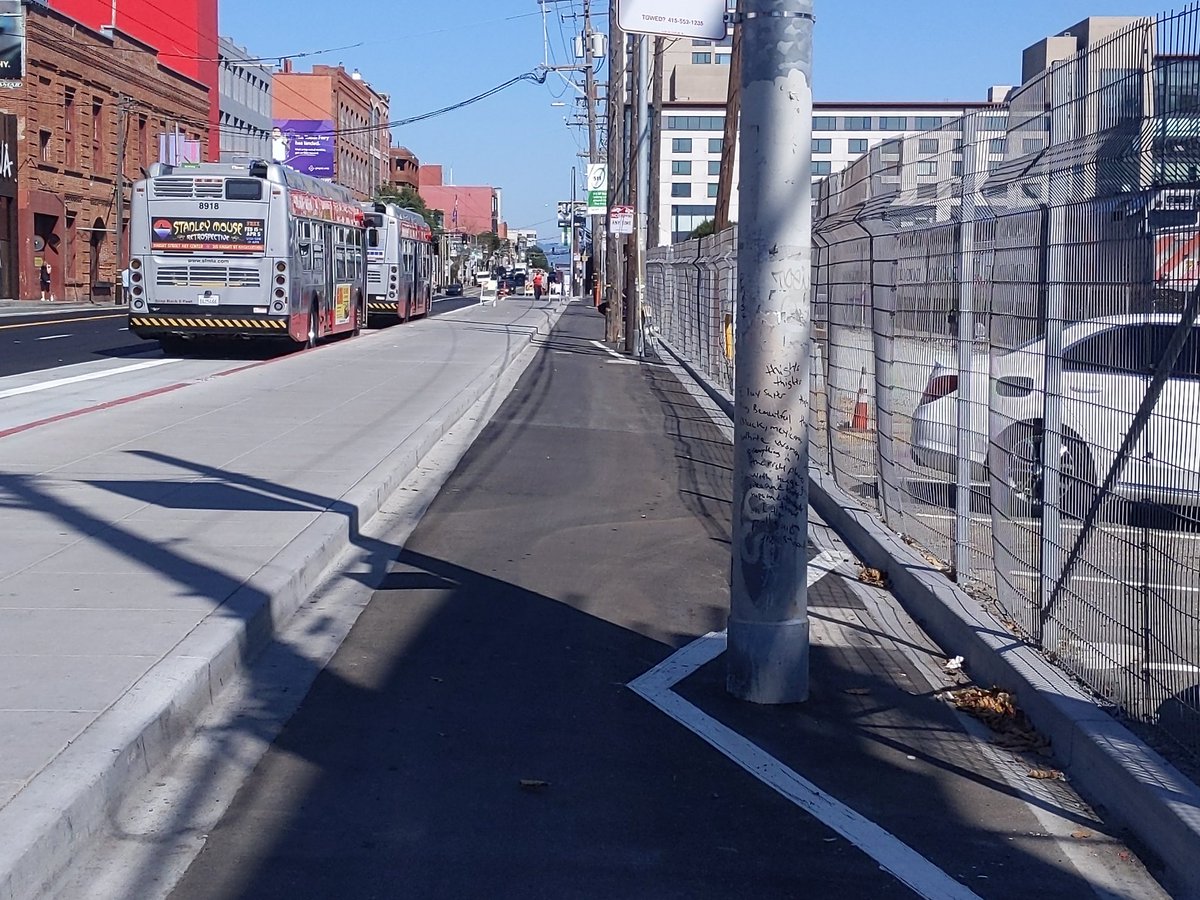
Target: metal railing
[{"x": 1007, "y": 356}]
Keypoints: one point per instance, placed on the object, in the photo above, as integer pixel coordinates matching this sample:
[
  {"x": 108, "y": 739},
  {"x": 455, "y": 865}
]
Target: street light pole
[{"x": 768, "y": 641}]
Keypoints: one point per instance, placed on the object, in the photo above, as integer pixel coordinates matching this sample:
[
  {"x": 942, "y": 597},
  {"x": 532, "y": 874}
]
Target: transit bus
[
  {"x": 399, "y": 263},
  {"x": 219, "y": 250}
]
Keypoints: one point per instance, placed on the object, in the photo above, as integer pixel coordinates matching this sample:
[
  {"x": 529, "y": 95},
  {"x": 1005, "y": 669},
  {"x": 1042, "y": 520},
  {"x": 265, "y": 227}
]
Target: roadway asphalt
[
  {"x": 476, "y": 735},
  {"x": 36, "y": 338}
]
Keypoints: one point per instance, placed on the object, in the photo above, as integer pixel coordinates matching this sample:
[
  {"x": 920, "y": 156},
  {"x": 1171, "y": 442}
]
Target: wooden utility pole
[
  {"x": 618, "y": 170},
  {"x": 733, "y": 108}
]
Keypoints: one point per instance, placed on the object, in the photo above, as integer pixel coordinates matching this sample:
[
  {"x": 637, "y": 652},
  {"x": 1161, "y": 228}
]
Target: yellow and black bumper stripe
[
  {"x": 226, "y": 324},
  {"x": 376, "y": 306}
]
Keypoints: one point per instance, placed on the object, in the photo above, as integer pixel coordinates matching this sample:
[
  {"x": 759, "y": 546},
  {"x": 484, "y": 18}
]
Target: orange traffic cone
[{"x": 861, "y": 419}]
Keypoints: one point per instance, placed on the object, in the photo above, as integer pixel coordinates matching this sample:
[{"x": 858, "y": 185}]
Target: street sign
[
  {"x": 597, "y": 189},
  {"x": 622, "y": 220},
  {"x": 681, "y": 18}
]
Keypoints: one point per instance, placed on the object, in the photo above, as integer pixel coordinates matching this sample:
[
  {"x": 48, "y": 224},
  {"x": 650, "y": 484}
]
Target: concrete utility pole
[
  {"x": 654, "y": 183},
  {"x": 637, "y": 284},
  {"x": 589, "y": 76},
  {"x": 768, "y": 646}
]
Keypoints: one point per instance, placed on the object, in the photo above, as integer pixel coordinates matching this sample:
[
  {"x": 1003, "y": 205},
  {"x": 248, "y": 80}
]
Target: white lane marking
[
  {"x": 76, "y": 379},
  {"x": 892, "y": 854},
  {"x": 1110, "y": 582},
  {"x": 613, "y": 353},
  {"x": 52, "y": 337}
]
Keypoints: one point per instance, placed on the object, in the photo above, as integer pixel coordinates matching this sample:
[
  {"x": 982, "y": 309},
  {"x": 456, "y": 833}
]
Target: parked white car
[{"x": 1107, "y": 367}]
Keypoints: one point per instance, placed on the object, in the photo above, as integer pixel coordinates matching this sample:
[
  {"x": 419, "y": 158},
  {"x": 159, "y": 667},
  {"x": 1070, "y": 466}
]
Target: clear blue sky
[{"x": 431, "y": 55}]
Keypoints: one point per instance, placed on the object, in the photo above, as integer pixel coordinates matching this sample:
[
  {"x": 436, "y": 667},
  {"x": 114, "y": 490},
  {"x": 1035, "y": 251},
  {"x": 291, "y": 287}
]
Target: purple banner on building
[{"x": 305, "y": 145}]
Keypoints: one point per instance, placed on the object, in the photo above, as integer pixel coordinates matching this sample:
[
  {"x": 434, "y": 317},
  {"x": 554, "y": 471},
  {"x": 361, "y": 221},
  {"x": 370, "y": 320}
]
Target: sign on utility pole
[
  {"x": 768, "y": 643},
  {"x": 678, "y": 18},
  {"x": 597, "y": 189}
]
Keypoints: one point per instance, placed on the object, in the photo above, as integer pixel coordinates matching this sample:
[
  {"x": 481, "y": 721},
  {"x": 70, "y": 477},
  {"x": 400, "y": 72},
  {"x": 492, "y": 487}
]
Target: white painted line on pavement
[
  {"x": 1109, "y": 582},
  {"x": 892, "y": 854},
  {"x": 76, "y": 379},
  {"x": 617, "y": 357},
  {"x": 52, "y": 337}
]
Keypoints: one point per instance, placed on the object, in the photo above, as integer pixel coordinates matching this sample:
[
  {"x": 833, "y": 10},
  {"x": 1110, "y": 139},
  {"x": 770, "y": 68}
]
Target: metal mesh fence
[{"x": 1007, "y": 356}]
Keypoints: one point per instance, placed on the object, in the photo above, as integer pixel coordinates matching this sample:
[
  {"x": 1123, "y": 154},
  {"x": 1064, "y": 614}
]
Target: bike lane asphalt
[{"x": 529, "y": 707}]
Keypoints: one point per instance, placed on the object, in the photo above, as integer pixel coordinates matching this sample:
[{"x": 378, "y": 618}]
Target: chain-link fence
[{"x": 1007, "y": 356}]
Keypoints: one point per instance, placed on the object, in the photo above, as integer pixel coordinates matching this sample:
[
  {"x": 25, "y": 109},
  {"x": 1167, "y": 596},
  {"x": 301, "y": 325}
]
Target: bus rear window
[{"x": 243, "y": 189}]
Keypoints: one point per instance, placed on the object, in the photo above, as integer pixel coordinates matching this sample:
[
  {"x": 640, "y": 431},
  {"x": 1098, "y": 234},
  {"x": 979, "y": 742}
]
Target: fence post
[{"x": 966, "y": 351}]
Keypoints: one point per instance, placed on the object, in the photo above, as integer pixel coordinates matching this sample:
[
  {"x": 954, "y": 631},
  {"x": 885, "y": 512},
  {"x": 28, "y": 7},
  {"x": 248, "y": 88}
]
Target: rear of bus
[
  {"x": 208, "y": 242},
  {"x": 383, "y": 262}
]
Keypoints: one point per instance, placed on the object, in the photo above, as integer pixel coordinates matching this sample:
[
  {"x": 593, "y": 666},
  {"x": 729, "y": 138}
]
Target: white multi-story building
[
  {"x": 692, "y": 137},
  {"x": 245, "y": 105}
]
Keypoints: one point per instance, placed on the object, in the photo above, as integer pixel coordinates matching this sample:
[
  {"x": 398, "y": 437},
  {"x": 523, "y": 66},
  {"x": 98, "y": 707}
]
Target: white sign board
[
  {"x": 597, "y": 189},
  {"x": 682, "y": 18},
  {"x": 622, "y": 220}
]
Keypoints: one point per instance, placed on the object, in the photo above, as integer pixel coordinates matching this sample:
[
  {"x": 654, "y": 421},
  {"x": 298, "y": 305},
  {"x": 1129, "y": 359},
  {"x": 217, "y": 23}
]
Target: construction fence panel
[{"x": 1006, "y": 352}]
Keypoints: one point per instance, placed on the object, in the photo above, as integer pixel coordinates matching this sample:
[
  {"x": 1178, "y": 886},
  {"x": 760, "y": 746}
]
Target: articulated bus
[
  {"x": 399, "y": 263},
  {"x": 234, "y": 251}
]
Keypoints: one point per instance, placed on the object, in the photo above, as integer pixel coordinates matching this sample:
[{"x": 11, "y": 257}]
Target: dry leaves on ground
[
  {"x": 873, "y": 577},
  {"x": 534, "y": 784},
  {"x": 996, "y": 709}
]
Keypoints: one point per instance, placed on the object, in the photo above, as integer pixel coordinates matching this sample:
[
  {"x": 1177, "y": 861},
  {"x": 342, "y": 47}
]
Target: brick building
[
  {"x": 183, "y": 31},
  {"x": 355, "y": 112},
  {"x": 405, "y": 170},
  {"x": 467, "y": 209},
  {"x": 68, "y": 112}
]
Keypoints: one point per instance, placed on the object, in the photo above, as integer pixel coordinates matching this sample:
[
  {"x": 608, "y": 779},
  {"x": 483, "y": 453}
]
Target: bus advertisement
[
  {"x": 218, "y": 250},
  {"x": 399, "y": 263}
]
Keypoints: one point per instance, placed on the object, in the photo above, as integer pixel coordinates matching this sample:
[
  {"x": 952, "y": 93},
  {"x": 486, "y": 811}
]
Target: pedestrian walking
[
  {"x": 44, "y": 282},
  {"x": 537, "y": 287}
]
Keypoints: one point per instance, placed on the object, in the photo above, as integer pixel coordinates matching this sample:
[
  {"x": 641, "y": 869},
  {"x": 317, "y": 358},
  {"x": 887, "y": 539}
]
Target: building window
[
  {"x": 857, "y": 123},
  {"x": 822, "y": 145},
  {"x": 993, "y": 123},
  {"x": 714, "y": 167},
  {"x": 715, "y": 145},
  {"x": 44, "y": 145},
  {"x": 893, "y": 123},
  {"x": 712, "y": 189},
  {"x": 681, "y": 167},
  {"x": 723, "y": 59},
  {"x": 956, "y": 167},
  {"x": 924, "y": 123},
  {"x": 927, "y": 167},
  {"x": 701, "y": 43},
  {"x": 695, "y": 123},
  {"x": 927, "y": 145},
  {"x": 701, "y": 59},
  {"x": 821, "y": 167},
  {"x": 681, "y": 189},
  {"x": 98, "y": 161},
  {"x": 1032, "y": 145},
  {"x": 824, "y": 123},
  {"x": 69, "y": 129},
  {"x": 997, "y": 145},
  {"x": 857, "y": 145},
  {"x": 681, "y": 145}
]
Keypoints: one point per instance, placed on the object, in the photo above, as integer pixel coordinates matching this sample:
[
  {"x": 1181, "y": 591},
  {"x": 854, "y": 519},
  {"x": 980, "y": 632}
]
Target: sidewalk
[
  {"x": 150, "y": 547},
  {"x": 530, "y": 707}
]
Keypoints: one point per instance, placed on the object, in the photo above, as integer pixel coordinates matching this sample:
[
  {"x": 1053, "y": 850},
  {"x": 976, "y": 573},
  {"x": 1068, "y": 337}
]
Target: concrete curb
[
  {"x": 1112, "y": 768},
  {"x": 72, "y": 797}
]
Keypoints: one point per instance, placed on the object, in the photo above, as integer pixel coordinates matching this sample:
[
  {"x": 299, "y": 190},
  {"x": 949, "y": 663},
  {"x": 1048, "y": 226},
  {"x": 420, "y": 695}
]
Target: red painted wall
[{"x": 183, "y": 31}]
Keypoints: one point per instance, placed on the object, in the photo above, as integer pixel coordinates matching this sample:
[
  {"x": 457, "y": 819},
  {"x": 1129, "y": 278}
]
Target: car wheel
[{"x": 1016, "y": 465}]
